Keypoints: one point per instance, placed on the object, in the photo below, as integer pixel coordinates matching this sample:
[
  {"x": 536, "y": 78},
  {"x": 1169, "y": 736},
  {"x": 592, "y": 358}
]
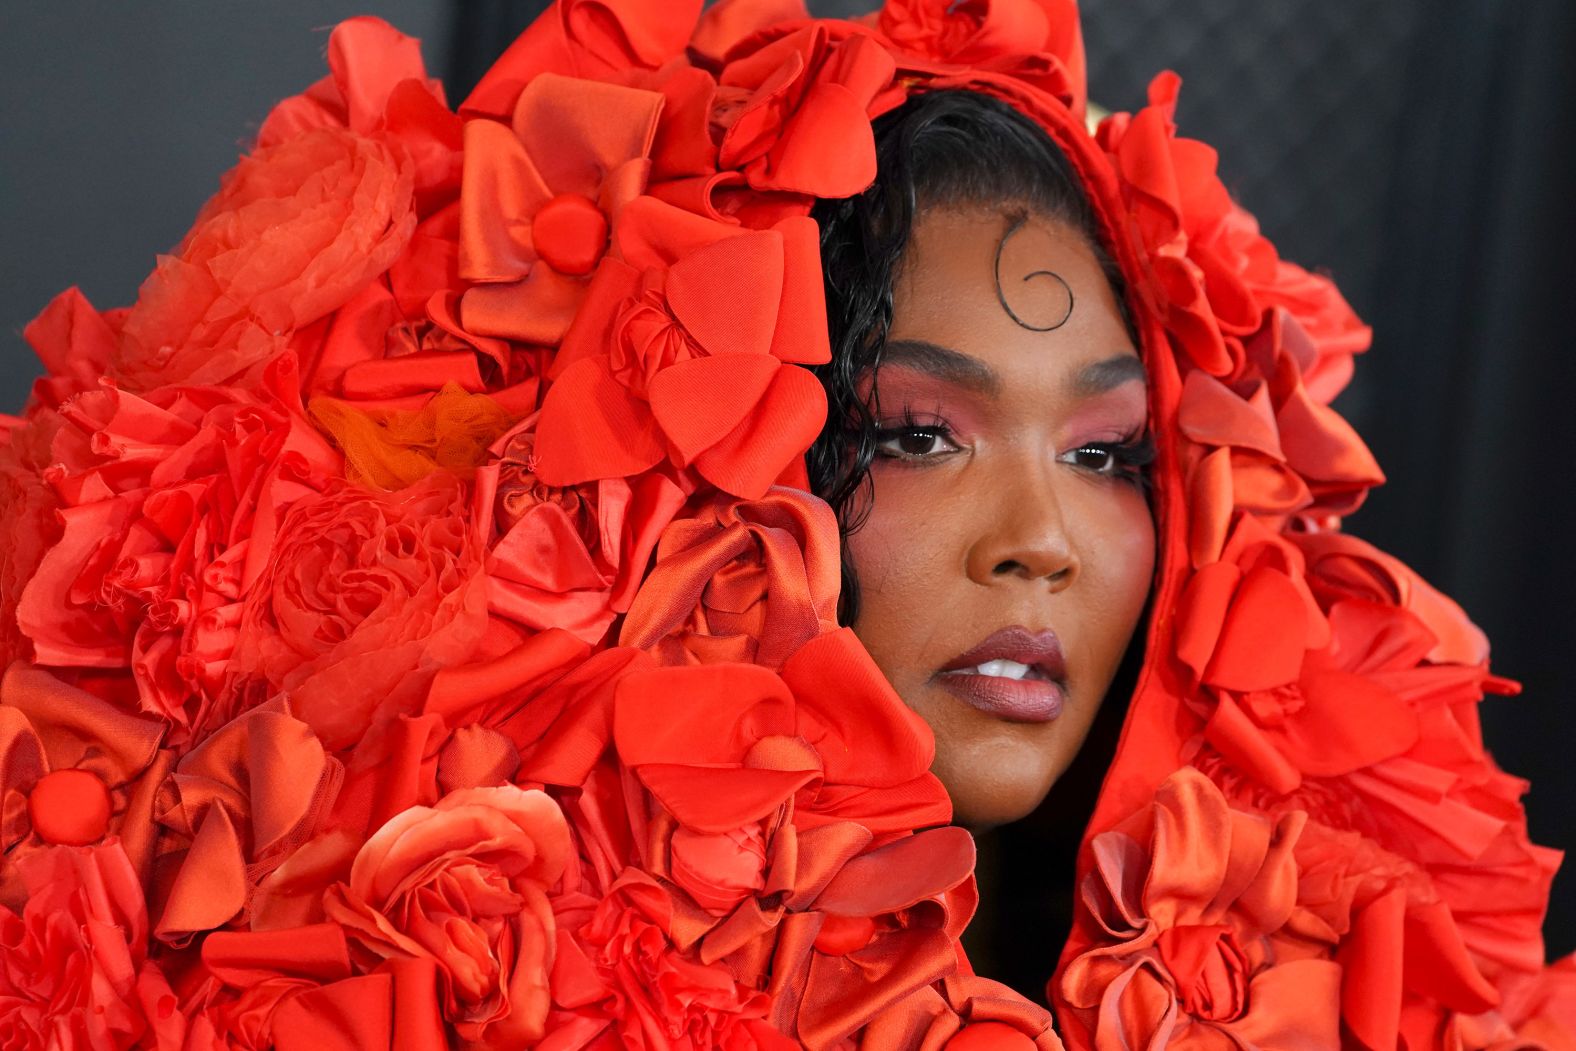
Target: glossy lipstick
[{"x": 1023, "y": 678}]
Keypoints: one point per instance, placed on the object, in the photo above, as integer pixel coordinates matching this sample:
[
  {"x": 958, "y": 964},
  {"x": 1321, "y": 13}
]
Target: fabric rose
[
  {"x": 752, "y": 812},
  {"x": 752, "y": 740},
  {"x": 169, "y": 505},
  {"x": 541, "y": 193},
  {"x": 464, "y": 883},
  {"x": 74, "y": 967},
  {"x": 232, "y": 809},
  {"x": 1285, "y": 698},
  {"x": 1037, "y": 41},
  {"x": 400, "y": 339},
  {"x": 296, "y": 990},
  {"x": 1382, "y": 918},
  {"x": 297, "y": 229},
  {"x": 1212, "y": 277},
  {"x": 567, "y": 557},
  {"x": 1186, "y": 896},
  {"x": 742, "y": 580},
  {"x": 793, "y": 113},
  {"x": 596, "y": 39},
  {"x": 377, "y": 86},
  {"x": 617, "y": 975},
  {"x": 73, "y": 769},
  {"x": 73, "y": 343},
  {"x": 28, "y": 506},
  {"x": 366, "y": 596},
  {"x": 686, "y": 349},
  {"x": 1267, "y": 447}
]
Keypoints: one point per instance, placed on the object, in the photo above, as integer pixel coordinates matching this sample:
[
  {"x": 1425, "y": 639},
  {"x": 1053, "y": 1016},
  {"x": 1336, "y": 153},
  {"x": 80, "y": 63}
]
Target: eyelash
[{"x": 1125, "y": 460}]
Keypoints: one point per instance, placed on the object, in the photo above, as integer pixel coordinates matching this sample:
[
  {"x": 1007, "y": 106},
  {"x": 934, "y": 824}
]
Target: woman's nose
[{"x": 1023, "y": 535}]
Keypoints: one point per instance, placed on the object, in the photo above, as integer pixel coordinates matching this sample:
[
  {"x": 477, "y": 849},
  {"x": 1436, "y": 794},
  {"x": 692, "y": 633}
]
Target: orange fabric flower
[
  {"x": 464, "y": 883},
  {"x": 541, "y": 193},
  {"x": 747, "y": 581},
  {"x": 365, "y": 597},
  {"x": 392, "y": 448},
  {"x": 1186, "y": 895},
  {"x": 295, "y": 232},
  {"x": 567, "y": 557},
  {"x": 685, "y": 349},
  {"x": 70, "y": 764},
  {"x": 74, "y": 967}
]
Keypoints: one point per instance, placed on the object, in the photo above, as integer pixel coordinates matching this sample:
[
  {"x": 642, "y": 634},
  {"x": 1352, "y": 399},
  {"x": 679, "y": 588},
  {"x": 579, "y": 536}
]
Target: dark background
[{"x": 1415, "y": 149}]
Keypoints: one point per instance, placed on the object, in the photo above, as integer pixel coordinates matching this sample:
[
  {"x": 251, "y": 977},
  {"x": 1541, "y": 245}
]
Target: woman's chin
[{"x": 995, "y": 789}]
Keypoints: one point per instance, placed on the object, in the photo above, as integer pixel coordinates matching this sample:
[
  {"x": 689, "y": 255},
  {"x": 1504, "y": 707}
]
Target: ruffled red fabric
[{"x": 417, "y": 632}]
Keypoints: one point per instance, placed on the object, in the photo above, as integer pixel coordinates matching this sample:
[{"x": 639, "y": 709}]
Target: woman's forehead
[{"x": 999, "y": 287}]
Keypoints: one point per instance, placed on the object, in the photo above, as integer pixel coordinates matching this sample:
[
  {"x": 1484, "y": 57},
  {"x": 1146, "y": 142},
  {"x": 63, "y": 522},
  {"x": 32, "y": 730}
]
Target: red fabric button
[
  {"x": 990, "y": 1036},
  {"x": 570, "y": 234},
  {"x": 841, "y": 935},
  {"x": 70, "y": 807}
]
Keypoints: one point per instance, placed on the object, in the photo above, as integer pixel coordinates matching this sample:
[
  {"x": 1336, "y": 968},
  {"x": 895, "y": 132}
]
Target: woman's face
[{"x": 1009, "y": 547}]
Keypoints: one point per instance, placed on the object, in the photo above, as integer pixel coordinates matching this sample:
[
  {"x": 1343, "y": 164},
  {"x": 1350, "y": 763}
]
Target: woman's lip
[
  {"x": 1039, "y": 649},
  {"x": 1016, "y": 700}
]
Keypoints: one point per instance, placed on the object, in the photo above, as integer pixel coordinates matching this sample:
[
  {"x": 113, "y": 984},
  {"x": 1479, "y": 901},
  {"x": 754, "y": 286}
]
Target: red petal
[{"x": 592, "y": 427}]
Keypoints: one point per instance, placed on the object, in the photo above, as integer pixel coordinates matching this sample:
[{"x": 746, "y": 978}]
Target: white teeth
[{"x": 1004, "y": 669}]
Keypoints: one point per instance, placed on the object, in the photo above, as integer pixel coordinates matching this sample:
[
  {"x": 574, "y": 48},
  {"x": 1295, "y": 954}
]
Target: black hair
[{"x": 939, "y": 149}]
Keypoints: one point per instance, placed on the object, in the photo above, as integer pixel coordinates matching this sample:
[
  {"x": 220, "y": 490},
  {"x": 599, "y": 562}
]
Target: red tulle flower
[
  {"x": 297, "y": 229},
  {"x": 365, "y": 597}
]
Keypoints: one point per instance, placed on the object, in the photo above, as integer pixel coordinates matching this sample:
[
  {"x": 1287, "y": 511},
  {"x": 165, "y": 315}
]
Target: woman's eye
[
  {"x": 914, "y": 443},
  {"x": 1101, "y": 459},
  {"x": 1117, "y": 460}
]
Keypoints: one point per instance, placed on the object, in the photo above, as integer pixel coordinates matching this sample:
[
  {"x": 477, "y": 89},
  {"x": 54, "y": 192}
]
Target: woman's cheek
[
  {"x": 900, "y": 557},
  {"x": 1124, "y": 549}
]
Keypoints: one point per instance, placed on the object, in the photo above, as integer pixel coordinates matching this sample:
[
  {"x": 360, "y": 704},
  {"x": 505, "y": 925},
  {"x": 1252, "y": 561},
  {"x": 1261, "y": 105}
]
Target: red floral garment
[{"x": 419, "y": 636}]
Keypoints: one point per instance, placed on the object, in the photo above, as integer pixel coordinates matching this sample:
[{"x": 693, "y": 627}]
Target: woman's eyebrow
[
  {"x": 941, "y": 362},
  {"x": 1107, "y": 375}
]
